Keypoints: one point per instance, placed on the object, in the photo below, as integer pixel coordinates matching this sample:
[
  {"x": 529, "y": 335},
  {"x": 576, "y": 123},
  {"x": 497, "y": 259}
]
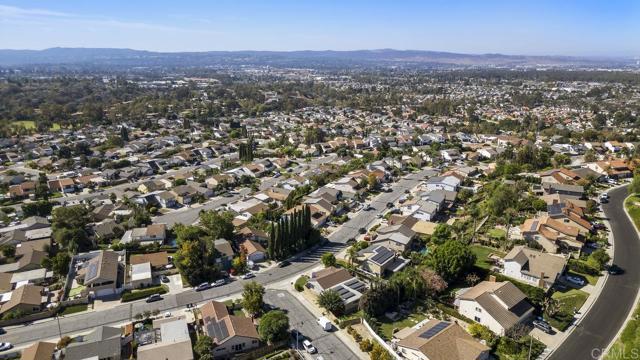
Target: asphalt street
[
  {"x": 300, "y": 318},
  {"x": 78, "y": 323},
  {"x": 350, "y": 229},
  {"x": 608, "y": 313},
  {"x": 189, "y": 215}
]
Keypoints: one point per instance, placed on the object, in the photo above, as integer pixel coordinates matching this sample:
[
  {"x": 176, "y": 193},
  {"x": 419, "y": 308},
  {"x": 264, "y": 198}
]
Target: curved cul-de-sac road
[{"x": 607, "y": 315}]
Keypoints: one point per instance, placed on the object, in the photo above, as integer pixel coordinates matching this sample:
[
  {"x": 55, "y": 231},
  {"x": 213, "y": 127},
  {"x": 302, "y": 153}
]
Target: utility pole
[{"x": 59, "y": 327}]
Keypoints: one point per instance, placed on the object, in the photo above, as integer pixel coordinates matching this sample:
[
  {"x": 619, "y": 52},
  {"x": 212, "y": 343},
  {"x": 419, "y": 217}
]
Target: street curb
[
  {"x": 630, "y": 315},
  {"x": 602, "y": 280}
]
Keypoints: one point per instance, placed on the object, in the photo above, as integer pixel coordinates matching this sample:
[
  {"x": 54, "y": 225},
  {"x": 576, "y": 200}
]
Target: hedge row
[
  {"x": 583, "y": 268},
  {"x": 143, "y": 293}
]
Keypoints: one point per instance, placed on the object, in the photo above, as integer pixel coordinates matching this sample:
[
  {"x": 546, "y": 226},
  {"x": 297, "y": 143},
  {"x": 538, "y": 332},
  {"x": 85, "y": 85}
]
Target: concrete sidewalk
[{"x": 554, "y": 341}]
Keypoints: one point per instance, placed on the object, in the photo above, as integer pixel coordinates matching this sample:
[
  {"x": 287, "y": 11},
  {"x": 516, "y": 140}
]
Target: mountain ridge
[{"x": 125, "y": 56}]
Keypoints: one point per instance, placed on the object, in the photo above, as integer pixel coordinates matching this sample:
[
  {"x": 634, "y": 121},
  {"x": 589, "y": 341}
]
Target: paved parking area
[{"x": 175, "y": 283}]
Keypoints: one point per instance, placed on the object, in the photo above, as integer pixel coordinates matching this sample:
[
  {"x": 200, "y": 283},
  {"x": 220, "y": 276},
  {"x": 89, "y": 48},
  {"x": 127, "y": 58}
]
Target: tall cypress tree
[
  {"x": 278, "y": 241},
  {"x": 271, "y": 241}
]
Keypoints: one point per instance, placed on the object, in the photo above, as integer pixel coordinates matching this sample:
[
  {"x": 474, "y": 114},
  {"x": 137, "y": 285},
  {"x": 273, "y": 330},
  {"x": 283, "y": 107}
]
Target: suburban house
[
  {"x": 449, "y": 182},
  {"x": 570, "y": 214},
  {"x": 171, "y": 341},
  {"x": 102, "y": 275},
  {"x": 450, "y": 154},
  {"x": 398, "y": 238},
  {"x": 103, "y": 343},
  {"x": 379, "y": 260},
  {"x": 231, "y": 334},
  {"x": 439, "y": 340},
  {"x": 64, "y": 185},
  {"x": 563, "y": 189},
  {"x": 29, "y": 259},
  {"x": 154, "y": 233},
  {"x": 348, "y": 287},
  {"x": 140, "y": 275},
  {"x": 26, "y": 299},
  {"x": 22, "y": 190},
  {"x": 166, "y": 199},
  {"x": 254, "y": 251},
  {"x": 533, "y": 267},
  {"x": 40, "y": 350},
  {"x": 157, "y": 260},
  {"x": 497, "y": 305},
  {"x": 552, "y": 234},
  {"x": 223, "y": 247},
  {"x": 184, "y": 194}
]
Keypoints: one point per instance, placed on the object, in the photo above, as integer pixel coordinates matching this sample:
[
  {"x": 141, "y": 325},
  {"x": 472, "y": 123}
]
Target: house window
[
  {"x": 478, "y": 309},
  {"x": 477, "y": 319}
]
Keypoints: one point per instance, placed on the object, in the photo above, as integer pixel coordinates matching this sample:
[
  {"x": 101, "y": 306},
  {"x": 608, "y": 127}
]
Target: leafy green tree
[
  {"x": 75, "y": 240},
  {"x": 634, "y": 187},
  {"x": 8, "y": 251},
  {"x": 599, "y": 258},
  {"x": 252, "y": 298},
  {"x": 42, "y": 187},
  {"x": 331, "y": 301},
  {"x": 372, "y": 181},
  {"x": 501, "y": 198},
  {"x": 140, "y": 217},
  {"x": 273, "y": 326},
  {"x": 379, "y": 353},
  {"x": 124, "y": 133},
  {"x": 441, "y": 233},
  {"x": 60, "y": 263},
  {"x": 196, "y": 260},
  {"x": 37, "y": 208},
  {"x": 218, "y": 225},
  {"x": 452, "y": 260},
  {"x": 70, "y": 217},
  {"x": 328, "y": 259},
  {"x": 203, "y": 348}
]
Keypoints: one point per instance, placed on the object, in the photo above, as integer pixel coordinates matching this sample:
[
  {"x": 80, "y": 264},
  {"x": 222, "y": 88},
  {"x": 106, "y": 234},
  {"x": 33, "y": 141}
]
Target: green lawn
[
  {"x": 569, "y": 300},
  {"x": 497, "y": 233},
  {"x": 27, "y": 124},
  {"x": 31, "y": 125},
  {"x": 74, "y": 309},
  {"x": 482, "y": 255},
  {"x": 387, "y": 326},
  {"x": 76, "y": 290},
  {"x": 633, "y": 208}
]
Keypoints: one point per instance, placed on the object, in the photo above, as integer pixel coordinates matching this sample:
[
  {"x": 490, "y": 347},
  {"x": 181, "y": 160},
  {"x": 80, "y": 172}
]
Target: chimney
[
  {"x": 541, "y": 281},
  {"x": 492, "y": 278}
]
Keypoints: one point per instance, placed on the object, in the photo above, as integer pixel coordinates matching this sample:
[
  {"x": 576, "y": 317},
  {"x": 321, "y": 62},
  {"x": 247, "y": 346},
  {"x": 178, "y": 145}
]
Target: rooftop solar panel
[
  {"x": 434, "y": 330},
  {"x": 346, "y": 296},
  {"x": 218, "y": 329},
  {"x": 382, "y": 256},
  {"x": 357, "y": 286},
  {"x": 534, "y": 225},
  {"x": 351, "y": 282},
  {"x": 92, "y": 270}
]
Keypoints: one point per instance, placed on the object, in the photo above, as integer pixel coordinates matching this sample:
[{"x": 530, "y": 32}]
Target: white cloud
[{"x": 8, "y": 12}]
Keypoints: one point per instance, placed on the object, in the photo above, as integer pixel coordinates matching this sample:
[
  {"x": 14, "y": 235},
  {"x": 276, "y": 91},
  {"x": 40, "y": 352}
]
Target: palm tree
[{"x": 352, "y": 254}]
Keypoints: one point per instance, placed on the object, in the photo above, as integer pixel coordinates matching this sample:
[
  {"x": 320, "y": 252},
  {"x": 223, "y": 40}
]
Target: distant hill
[{"x": 382, "y": 57}]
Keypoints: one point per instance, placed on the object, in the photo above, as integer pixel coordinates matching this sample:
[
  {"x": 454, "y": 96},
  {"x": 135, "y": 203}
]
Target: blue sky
[{"x": 561, "y": 27}]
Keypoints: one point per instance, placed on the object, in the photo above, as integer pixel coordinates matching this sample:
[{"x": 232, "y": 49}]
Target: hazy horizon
[{"x": 532, "y": 28}]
